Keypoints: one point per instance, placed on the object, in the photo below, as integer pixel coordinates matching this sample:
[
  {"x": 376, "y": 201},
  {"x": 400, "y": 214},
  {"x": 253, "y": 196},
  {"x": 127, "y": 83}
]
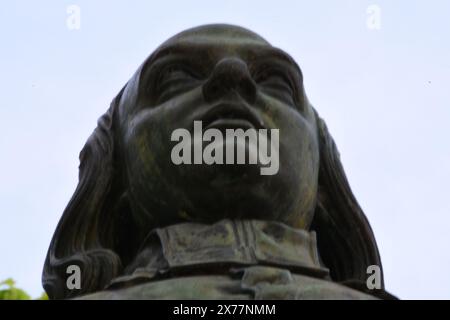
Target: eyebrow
[
  {"x": 260, "y": 52},
  {"x": 175, "y": 50},
  {"x": 273, "y": 52}
]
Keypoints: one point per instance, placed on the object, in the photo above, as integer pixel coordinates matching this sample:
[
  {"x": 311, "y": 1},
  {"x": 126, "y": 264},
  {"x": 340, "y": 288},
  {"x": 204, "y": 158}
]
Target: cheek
[
  {"x": 298, "y": 145},
  {"x": 299, "y": 159},
  {"x": 298, "y": 139},
  {"x": 147, "y": 153},
  {"x": 299, "y": 165}
]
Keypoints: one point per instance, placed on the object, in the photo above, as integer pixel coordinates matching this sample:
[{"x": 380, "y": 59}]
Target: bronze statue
[{"x": 141, "y": 226}]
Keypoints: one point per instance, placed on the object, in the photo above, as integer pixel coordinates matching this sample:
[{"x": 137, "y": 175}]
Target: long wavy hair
[{"x": 97, "y": 233}]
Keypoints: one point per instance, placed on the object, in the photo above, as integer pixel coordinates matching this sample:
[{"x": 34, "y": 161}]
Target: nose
[{"x": 228, "y": 76}]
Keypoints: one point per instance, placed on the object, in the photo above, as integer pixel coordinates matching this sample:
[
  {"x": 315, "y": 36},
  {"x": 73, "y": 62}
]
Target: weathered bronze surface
[{"x": 140, "y": 226}]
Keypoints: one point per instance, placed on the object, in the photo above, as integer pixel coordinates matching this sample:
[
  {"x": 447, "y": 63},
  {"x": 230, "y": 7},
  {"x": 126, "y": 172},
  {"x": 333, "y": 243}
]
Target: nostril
[
  {"x": 249, "y": 91},
  {"x": 211, "y": 90},
  {"x": 215, "y": 88}
]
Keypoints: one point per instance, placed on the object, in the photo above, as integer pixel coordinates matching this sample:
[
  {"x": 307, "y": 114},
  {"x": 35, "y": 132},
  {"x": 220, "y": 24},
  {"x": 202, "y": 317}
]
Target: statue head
[{"x": 226, "y": 77}]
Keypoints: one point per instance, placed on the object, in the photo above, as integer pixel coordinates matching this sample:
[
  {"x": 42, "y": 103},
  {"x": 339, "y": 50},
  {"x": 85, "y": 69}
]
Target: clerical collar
[{"x": 194, "y": 247}]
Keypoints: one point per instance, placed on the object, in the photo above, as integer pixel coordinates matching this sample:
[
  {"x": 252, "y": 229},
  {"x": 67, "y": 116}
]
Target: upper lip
[{"x": 232, "y": 111}]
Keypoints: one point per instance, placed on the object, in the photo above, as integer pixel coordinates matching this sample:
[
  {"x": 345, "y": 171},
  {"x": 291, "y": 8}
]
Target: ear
[
  {"x": 345, "y": 239},
  {"x": 84, "y": 235}
]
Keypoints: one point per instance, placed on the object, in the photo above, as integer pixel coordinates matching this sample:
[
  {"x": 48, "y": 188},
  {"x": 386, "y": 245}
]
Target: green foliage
[
  {"x": 43, "y": 296},
  {"x": 9, "y": 291}
]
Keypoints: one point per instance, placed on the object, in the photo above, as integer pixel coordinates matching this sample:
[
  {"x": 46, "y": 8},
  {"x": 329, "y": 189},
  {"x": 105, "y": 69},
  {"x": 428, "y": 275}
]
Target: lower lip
[{"x": 230, "y": 124}]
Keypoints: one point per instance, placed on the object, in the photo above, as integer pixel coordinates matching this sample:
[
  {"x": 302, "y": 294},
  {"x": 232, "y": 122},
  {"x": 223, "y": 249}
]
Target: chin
[{"x": 237, "y": 201}]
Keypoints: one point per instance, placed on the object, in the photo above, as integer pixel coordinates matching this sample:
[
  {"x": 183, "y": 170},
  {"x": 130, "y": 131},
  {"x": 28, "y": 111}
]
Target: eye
[
  {"x": 175, "y": 80},
  {"x": 276, "y": 83}
]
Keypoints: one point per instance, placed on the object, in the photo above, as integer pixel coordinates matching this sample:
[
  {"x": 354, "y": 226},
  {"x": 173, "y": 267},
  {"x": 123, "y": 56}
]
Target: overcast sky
[{"x": 378, "y": 72}]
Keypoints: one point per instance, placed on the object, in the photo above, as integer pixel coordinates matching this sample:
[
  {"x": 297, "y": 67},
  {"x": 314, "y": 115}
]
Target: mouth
[{"x": 231, "y": 116}]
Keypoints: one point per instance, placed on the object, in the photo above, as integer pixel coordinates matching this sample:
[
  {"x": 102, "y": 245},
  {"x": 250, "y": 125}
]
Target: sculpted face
[{"x": 228, "y": 78}]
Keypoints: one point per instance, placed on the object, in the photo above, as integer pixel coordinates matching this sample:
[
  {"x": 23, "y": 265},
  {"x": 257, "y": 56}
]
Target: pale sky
[{"x": 383, "y": 92}]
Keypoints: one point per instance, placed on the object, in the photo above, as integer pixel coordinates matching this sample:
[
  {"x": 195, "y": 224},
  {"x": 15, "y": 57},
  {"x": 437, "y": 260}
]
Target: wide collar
[{"x": 218, "y": 246}]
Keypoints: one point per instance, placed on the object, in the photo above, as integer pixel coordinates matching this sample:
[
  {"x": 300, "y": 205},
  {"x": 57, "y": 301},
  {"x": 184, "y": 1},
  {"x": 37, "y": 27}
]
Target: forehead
[
  {"x": 217, "y": 34},
  {"x": 206, "y": 44}
]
